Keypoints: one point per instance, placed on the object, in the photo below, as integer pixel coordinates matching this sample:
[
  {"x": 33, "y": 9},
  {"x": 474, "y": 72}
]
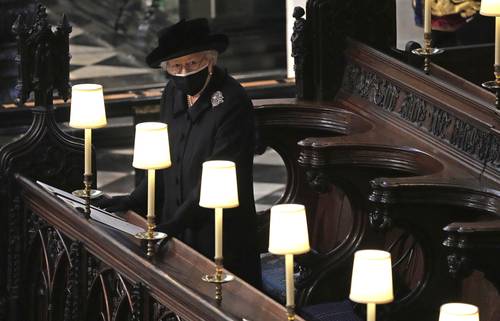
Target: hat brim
[{"x": 216, "y": 42}]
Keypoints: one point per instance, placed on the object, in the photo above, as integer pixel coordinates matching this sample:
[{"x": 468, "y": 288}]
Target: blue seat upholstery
[
  {"x": 273, "y": 284},
  {"x": 273, "y": 276},
  {"x": 332, "y": 311}
]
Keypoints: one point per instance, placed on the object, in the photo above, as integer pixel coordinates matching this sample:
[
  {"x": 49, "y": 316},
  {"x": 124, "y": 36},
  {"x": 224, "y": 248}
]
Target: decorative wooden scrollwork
[
  {"x": 109, "y": 297},
  {"x": 318, "y": 180},
  {"x": 45, "y": 274},
  {"x": 379, "y": 218},
  {"x": 137, "y": 302},
  {"x": 43, "y": 58},
  {"x": 407, "y": 262},
  {"x": 72, "y": 305},
  {"x": 162, "y": 313},
  {"x": 14, "y": 259}
]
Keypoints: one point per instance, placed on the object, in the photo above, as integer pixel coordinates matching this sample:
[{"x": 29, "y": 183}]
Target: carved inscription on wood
[{"x": 479, "y": 143}]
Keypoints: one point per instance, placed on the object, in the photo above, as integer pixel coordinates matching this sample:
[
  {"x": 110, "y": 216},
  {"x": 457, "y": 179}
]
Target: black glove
[
  {"x": 114, "y": 204},
  {"x": 170, "y": 228}
]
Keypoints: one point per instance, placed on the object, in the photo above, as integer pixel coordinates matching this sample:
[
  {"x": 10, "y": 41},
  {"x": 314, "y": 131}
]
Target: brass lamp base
[
  {"x": 94, "y": 193},
  {"x": 494, "y": 85},
  {"x": 213, "y": 278},
  {"x": 290, "y": 312},
  {"x": 427, "y": 53},
  {"x": 85, "y": 193},
  {"x": 218, "y": 278},
  {"x": 151, "y": 237}
]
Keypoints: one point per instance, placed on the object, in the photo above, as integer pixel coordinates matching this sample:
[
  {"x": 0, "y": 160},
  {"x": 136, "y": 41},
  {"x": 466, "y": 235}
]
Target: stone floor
[
  {"x": 95, "y": 61},
  {"x": 116, "y": 175}
]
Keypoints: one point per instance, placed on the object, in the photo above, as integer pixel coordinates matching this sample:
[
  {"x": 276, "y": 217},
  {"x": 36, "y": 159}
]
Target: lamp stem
[
  {"x": 290, "y": 288},
  {"x": 218, "y": 233},
  {"x": 371, "y": 312},
  {"x": 497, "y": 40},
  {"x": 88, "y": 151},
  {"x": 87, "y": 183},
  {"x": 151, "y": 201}
]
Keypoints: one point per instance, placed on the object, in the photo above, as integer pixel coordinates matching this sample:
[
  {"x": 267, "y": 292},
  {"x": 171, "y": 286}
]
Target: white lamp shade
[
  {"x": 288, "y": 230},
  {"x": 458, "y": 312},
  {"x": 371, "y": 280},
  {"x": 151, "y": 147},
  {"x": 219, "y": 186},
  {"x": 490, "y": 8},
  {"x": 87, "y": 106}
]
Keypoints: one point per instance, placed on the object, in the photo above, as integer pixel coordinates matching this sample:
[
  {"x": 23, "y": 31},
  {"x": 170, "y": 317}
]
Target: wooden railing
[{"x": 84, "y": 270}]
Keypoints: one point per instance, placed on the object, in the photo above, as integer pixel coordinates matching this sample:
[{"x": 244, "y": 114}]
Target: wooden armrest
[{"x": 474, "y": 227}]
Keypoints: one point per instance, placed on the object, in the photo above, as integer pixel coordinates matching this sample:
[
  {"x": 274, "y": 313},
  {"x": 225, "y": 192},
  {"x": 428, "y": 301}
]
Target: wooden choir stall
[{"x": 382, "y": 155}]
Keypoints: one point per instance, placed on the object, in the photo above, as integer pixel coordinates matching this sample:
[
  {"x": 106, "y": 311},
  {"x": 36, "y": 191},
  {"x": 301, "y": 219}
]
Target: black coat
[{"x": 209, "y": 130}]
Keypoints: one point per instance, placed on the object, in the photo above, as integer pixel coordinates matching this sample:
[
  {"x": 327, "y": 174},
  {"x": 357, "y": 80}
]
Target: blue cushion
[
  {"x": 333, "y": 311},
  {"x": 273, "y": 276}
]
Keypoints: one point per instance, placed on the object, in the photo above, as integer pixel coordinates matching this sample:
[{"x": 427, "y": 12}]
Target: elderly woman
[{"x": 210, "y": 117}]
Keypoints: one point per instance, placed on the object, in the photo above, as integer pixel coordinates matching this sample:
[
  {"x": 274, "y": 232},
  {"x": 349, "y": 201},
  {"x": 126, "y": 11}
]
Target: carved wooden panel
[{"x": 483, "y": 144}]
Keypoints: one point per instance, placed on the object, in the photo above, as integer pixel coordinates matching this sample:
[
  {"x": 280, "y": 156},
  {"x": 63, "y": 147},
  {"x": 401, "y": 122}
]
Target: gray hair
[{"x": 212, "y": 55}]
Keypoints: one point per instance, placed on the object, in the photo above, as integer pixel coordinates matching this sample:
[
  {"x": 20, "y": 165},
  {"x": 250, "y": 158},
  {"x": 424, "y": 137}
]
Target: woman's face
[{"x": 188, "y": 64}]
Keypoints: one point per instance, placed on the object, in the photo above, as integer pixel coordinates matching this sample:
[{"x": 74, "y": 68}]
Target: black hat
[{"x": 183, "y": 38}]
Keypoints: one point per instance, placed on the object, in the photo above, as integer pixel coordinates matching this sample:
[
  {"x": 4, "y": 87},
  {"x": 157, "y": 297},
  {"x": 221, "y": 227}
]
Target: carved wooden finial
[
  {"x": 299, "y": 49},
  {"x": 298, "y": 12},
  {"x": 62, "y": 83},
  {"x": 43, "y": 58},
  {"x": 23, "y": 86}
]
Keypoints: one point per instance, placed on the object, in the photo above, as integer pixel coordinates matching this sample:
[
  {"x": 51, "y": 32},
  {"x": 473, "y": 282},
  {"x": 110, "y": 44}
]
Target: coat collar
[{"x": 204, "y": 102}]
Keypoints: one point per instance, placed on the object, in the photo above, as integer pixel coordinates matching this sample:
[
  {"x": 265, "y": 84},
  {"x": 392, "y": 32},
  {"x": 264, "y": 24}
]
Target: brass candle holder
[
  {"x": 93, "y": 193},
  {"x": 150, "y": 235},
  {"x": 427, "y": 51},
  {"x": 87, "y": 183},
  {"x": 494, "y": 85},
  {"x": 290, "y": 312},
  {"x": 218, "y": 278},
  {"x": 151, "y": 152}
]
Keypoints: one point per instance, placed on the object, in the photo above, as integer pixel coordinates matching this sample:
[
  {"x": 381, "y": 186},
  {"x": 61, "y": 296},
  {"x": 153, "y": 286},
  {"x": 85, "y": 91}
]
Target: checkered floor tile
[{"x": 95, "y": 61}]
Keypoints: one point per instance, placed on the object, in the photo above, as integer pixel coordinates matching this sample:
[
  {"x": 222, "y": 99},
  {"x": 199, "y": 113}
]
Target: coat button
[{"x": 178, "y": 201}]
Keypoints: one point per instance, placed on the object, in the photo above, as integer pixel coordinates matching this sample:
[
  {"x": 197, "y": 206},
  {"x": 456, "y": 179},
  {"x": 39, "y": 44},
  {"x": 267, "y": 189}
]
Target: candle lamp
[
  {"x": 492, "y": 8},
  {"x": 371, "y": 281},
  {"x": 87, "y": 112},
  {"x": 219, "y": 190},
  {"x": 288, "y": 235},
  {"x": 151, "y": 152},
  {"x": 458, "y": 312},
  {"x": 427, "y": 51}
]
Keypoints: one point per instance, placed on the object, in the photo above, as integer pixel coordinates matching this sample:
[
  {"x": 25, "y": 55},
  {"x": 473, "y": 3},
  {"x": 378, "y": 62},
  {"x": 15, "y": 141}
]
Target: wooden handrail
[{"x": 173, "y": 278}]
